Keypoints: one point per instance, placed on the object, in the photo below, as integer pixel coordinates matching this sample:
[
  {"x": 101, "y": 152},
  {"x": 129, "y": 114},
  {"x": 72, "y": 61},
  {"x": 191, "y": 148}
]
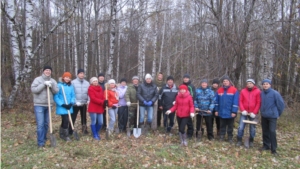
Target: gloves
[
  {"x": 150, "y": 103},
  {"x": 244, "y": 113},
  {"x": 105, "y": 103},
  {"x": 128, "y": 104},
  {"x": 65, "y": 106},
  {"x": 145, "y": 103},
  {"x": 174, "y": 102},
  {"x": 70, "y": 106},
  {"x": 252, "y": 115},
  {"x": 192, "y": 115},
  {"x": 78, "y": 104},
  {"x": 168, "y": 112},
  {"x": 113, "y": 107},
  {"x": 48, "y": 83}
]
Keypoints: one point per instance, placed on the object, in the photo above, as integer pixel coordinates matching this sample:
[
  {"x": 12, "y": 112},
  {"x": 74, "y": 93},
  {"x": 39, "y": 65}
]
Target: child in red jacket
[{"x": 185, "y": 111}]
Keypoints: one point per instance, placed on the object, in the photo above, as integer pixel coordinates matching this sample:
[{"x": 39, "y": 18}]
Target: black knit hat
[
  {"x": 216, "y": 81},
  {"x": 101, "y": 74},
  {"x": 170, "y": 78},
  {"x": 80, "y": 70},
  {"x": 123, "y": 80},
  {"x": 47, "y": 67},
  {"x": 187, "y": 76}
]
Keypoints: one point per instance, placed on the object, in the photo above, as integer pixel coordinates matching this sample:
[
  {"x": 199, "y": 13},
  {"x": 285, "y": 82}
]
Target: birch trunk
[
  {"x": 162, "y": 42},
  {"x": 141, "y": 50},
  {"x": 154, "y": 44},
  {"x": 75, "y": 48}
]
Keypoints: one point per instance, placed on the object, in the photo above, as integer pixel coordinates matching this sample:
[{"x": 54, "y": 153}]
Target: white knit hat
[
  {"x": 111, "y": 81},
  {"x": 251, "y": 80},
  {"x": 148, "y": 76},
  {"x": 93, "y": 79}
]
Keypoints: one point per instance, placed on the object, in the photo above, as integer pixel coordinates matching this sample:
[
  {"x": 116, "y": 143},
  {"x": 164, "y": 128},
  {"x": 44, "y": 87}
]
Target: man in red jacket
[{"x": 249, "y": 103}]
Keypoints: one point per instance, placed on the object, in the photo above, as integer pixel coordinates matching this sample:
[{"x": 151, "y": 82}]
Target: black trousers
[
  {"x": 65, "y": 121},
  {"x": 122, "y": 117},
  {"x": 226, "y": 125},
  {"x": 182, "y": 122},
  {"x": 171, "y": 119},
  {"x": 269, "y": 133},
  {"x": 82, "y": 110},
  {"x": 190, "y": 128},
  {"x": 132, "y": 117},
  {"x": 104, "y": 120},
  {"x": 159, "y": 114},
  {"x": 217, "y": 119},
  {"x": 208, "y": 123}
]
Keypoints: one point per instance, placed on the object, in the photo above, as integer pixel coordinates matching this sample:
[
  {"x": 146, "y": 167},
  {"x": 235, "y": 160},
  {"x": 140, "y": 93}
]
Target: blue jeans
[
  {"x": 42, "y": 121},
  {"x": 242, "y": 126},
  {"x": 149, "y": 110},
  {"x": 112, "y": 118},
  {"x": 95, "y": 117}
]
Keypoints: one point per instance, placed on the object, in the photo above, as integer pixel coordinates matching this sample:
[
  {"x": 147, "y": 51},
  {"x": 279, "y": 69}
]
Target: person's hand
[
  {"x": 106, "y": 103},
  {"x": 78, "y": 104},
  {"x": 160, "y": 107},
  {"x": 150, "y": 103},
  {"x": 216, "y": 113},
  {"x": 48, "y": 83},
  {"x": 113, "y": 107},
  {"x": 168, "y": 112},
  {"x": 233, "y": 114},
  {"x": 65, "y": 106},
  {"x": 145, "y": 103},
  {"x": 208, "y": 112},
  {"x": 174, "y": 102},
  {"x": 128, "y": 104},
  {"x": 197, "y": 109},
  {"x": 252, "y": 115},
  {"x": 69, "y": 106},
  {"x": 244, "y": 113},
  {"x": 192, "y": 115}
]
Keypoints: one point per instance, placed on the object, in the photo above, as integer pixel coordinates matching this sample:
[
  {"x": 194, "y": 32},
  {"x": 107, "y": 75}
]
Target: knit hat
[
  {"x": 170, "y": 78},
  {"x": 183, "y": 87},
  {"x": 251, "y": 80},
  {"x": 148, "y": 76},
  {"x": 101, "y": 74},
  {"x": 80, "y": 70},
  {"x": 135, "y": 77},
  {"x": 217, "y": 81},
  {"x": 111, "y": 81},
  {"x": 93, "y": 79},
  {"x": 203, "y": 81},
  {"x": 186, "y": 76},
  {"x": 67, "y": 74},
  {"x": 266, "y": 81},
  {"x": 225, "y": 78},
  {"x": 123, "y": 80},
  {"x": 47, "y": 67}
]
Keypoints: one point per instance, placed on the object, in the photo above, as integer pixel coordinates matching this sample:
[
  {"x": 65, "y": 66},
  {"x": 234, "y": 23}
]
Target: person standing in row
[
  {"x": 249, "y": 102},
  {"x": 147, "y": 95},
  {"x": 113, "y": 100},
  {"x": 66, "y": 90},
  {"x": 204, "y": 105},
  {"x": 81, "y": 91},
  {"x": 40, "y": 99},
  {"x": 167, "y": 96},
  {"x": 123, "y": 108},
  {"x": 102, "y": 82},
  {"x": 227, "y": 102},
  {"x": 96, "y": 107},
  {"x": 159, "y": 81},
  {"x": 272, "y": 106},
  {"x": 185, "y": 111},
  {"x": 215, "y": 87},
  {"x": 132, "y": 100}
]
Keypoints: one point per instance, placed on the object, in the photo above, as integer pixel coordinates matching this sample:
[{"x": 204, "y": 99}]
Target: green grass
[{"x": 19, "y": 149}]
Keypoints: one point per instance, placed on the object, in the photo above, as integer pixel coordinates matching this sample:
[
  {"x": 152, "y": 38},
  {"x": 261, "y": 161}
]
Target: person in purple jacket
[{"x": 123, "y": 108}]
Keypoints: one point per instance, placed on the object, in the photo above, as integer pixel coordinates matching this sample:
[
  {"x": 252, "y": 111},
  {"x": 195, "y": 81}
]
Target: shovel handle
[
  {"x": 49, "y": 109},
  {"x": 137, "y": 114},
  {"x": 69, "y": 114},
  {"x": 106, "y": 97}
]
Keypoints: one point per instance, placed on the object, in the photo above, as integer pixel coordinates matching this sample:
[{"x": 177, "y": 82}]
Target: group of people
[{"x": 208, "y": 103}]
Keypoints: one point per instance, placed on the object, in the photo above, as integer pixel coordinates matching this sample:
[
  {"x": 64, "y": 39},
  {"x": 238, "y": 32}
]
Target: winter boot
[
  {"x": 239, "y": 141},
  {"x": 184, "y": 138},
  {"x": 251, "y": 142},
  {"x": 221, "y": 137},
  {"x": 98, "y": 127},
  {"x": 181, "y": 140},
  {"x": 198, "y": 136},
  {"x": 84, "y": 129},
  {"x": 94, "y": 131},
  {"x": 202, "y": 131},
  {"x": 66, "y": 135},
  {"x": 230, "y": 140},
  {"x": 218, "y": 132},
  {"x": 61, "y": 133}
]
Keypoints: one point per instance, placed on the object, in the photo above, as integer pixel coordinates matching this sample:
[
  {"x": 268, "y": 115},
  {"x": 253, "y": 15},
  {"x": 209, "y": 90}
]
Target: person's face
[
  {"x": 185, "y": 80},
  {"x": 215, "y": 85},
  {"x": 123, "y": 83},
  {"x": 182, "y": 91},
  {"x": 67, "y": 79},
  {"x": 80, "y": 75},
  {"x": 47, "y": 72},
  {"x": 250, "y": 85},
  {"x": 148, "y": 80},
  {"x": 112, "y": 85},
  {"x": 101, "y": 78},
  {"x": 160, "y": 77},
  {"x": 135, "y": 82},
  {"x": 226, "y": 82},
  {"x": 95, "y": 83},
  {"x": 266, "y": 86},
  {"x": 170, "y": 82},
  {"x": 204, "y": 85}
]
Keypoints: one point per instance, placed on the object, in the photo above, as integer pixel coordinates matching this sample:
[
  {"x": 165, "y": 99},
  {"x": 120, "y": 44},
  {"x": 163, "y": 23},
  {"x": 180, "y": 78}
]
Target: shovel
[
  {"x": 75, "y": 134},
  {"x": 137, "y": 131},
  {"x": 167, "y": 125},
  {"x": 107, "y": 129},
  {"x": 52, "y": 136},
  {"x": 248, "y": 122},
  {"x": 128, "y": 127}
]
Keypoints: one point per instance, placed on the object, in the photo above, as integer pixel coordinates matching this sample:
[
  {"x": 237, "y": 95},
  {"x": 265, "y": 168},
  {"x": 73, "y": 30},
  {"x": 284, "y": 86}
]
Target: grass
[{"x": 19, "y": 148}]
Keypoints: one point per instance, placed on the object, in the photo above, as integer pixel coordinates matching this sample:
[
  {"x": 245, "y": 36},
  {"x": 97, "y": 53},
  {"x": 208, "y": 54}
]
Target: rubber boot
[
  {"x": 221, "y": 137},
  {"x": 66, "y": 135},
  {"x": 98, "y": 127},
  {"x": 239, "y": 141},
  {"x": 84, "y": 130},
  {"x": 94, "y": 131},
  {"x": 61, "y": 133},
  {"x": 184, "y": 138},
  {"x": 181, "y": 140},
  {"x": 251, "y": 142},
  {"x": 230, "y": 140}
]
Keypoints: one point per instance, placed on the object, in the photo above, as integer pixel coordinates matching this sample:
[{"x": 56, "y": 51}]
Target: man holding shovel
[
  {"x": 249, "y": 102},
  {"x": 131, "y": 101},
  {"x": 40, "y": 99}
]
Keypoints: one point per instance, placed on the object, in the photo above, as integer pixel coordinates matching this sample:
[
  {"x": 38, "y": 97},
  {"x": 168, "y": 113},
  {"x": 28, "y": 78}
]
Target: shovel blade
[
  {"x": 137, "y": 132},
  {"x": 52, "y": 140},
  {"x": 76, "y": 136}
]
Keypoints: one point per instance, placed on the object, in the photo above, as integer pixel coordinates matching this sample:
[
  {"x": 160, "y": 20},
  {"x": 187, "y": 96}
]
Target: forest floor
[{"x": 19, "y": 148}]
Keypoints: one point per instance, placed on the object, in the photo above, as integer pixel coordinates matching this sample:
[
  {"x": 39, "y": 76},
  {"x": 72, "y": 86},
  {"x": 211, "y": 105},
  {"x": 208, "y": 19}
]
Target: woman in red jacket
[
  {"x": 249, "y": 103},
  {"x": 185, "y": 111},
  {"x": 95, "y": 108}
]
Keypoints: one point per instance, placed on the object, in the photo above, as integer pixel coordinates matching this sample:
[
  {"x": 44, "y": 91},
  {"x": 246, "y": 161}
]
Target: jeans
[
  {"x": 242, "y": 126},
  {"x": 95, "y": 117},
  {"x": 42, "y": 120},
  {"x": 112, "y": 118},
  {"x": 149, "y": 110},
  {"x": 268, "y": 126}
]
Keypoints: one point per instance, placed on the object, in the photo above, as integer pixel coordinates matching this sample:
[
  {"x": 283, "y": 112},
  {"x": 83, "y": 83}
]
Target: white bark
[
  {"x": 162, "y": 42},
  {"x": 154, "y": 44},
  {"x": 75, "y": 48},
  {"x": 141, "y": 50}
]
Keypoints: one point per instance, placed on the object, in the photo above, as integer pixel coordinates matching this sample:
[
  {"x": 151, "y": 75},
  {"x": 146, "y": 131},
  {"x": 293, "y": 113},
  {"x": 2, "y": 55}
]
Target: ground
[{"x": 19, "y": 148}]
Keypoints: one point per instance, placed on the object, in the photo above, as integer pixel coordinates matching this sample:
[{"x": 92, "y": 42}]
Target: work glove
[
  {"x": 174, "y": 102},
  {"x": 113, "y": 107},
  {"x": 69, "y": 106},
  {"x": 48, "y": 83},
  {"x": 252, "y": 115},
  {"x": 145, "y": 103},
  {"x": 78, "y": 104},
  {"x": 192, "y": 115},
  {"x": 150, "y": 103},
  {"x": 244, "y": 113},
  {"x": 128, "y": 104},
  {"x": 65, "y": 106},
  {"x": 105, "y": 103},
  {"x": 168, "y": 112}
]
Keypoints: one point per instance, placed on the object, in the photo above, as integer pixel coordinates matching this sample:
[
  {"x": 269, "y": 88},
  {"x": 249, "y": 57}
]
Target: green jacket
[{"x": 131, "y": 96}]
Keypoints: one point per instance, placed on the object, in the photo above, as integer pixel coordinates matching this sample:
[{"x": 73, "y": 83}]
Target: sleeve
[
  {"x": 160, "y": 95},
  {"x": 235, "y": 104},
  {"x": 195, "y": 100},
  {"x": 257, "y": 103},
  {"x": 279, "y": 103},
  {"x": 191, "y": 105},
  {"x": 154, "y": 98},
  {"x": 54, "y": 87},
  {"x": 36, "y": 86},
  {"x": 217, "y": 102},
  {"x": 212, "y": 101},
  {"x": 73, "y": 97},
  {"x": 241, "y": 101},
  {"x": 174, "y": 108},
  {"x": 139, "y": 94},
  {"x": 57, "y": 97},
  {"x": 94, "y": 98},
  {"x": 127, "y": 95}
]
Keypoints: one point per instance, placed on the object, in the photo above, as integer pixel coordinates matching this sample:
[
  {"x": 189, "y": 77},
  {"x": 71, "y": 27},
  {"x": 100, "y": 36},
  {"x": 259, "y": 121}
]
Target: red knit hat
[
  {"x": 67, "y": 74},
  {"x": 183, "y": 87}
]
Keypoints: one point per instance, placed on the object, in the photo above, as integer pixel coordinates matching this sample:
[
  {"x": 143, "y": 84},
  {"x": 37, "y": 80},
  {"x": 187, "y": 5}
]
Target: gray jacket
[
  {"x": 81, "y": 90},
  {"x": 39, "y": 90}
]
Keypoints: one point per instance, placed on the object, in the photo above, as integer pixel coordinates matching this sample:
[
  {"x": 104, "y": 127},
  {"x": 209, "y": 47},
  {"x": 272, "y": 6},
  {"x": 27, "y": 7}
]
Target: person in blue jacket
[
  {"x": 272, "y": 106},
  {"x": 227, "y": 101},
  {"x": 62, "y": 107}
]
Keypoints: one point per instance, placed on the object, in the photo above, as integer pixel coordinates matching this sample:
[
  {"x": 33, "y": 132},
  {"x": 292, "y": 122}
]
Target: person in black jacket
[
  {"x": 167, "y": 96},
  {"x": 192, "y": 90},
  {"x": 147, "y": 95}
]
